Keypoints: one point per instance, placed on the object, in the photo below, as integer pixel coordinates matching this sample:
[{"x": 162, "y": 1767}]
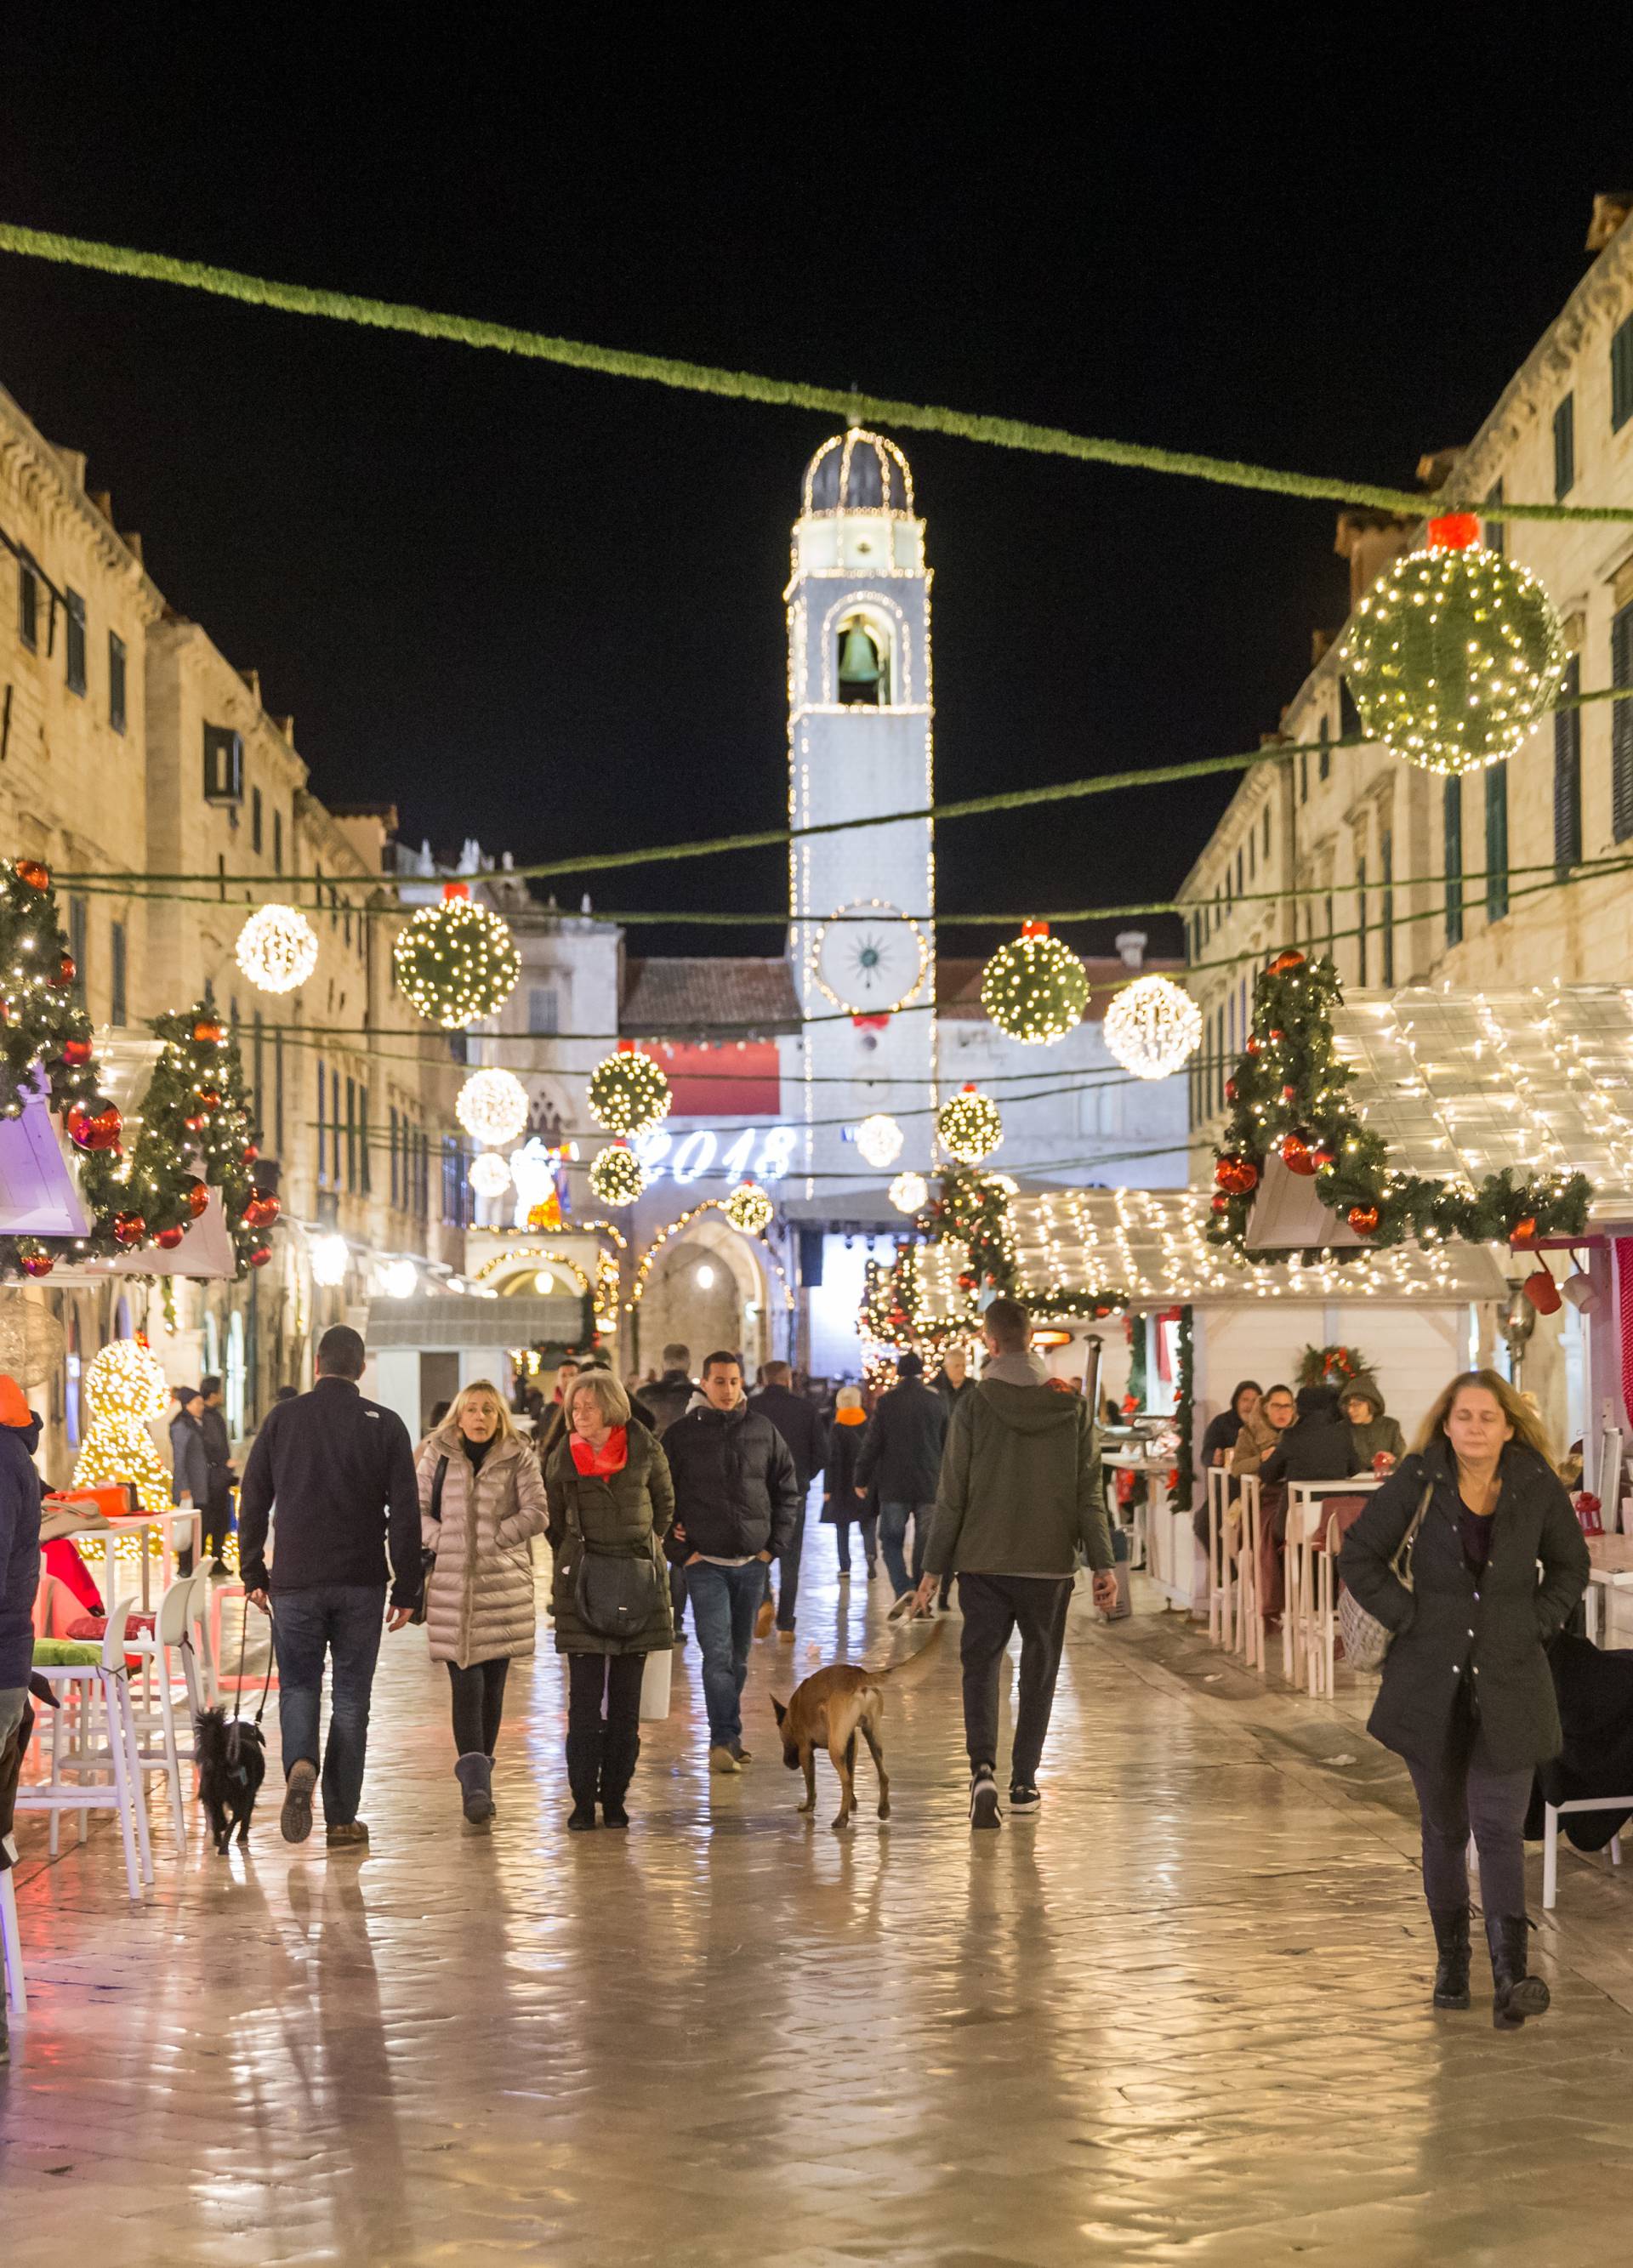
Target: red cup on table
[{"x": 1383, "y": 1465}]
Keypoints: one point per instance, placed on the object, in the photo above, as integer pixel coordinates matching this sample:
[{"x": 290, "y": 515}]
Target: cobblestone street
[{"x": 1184, "y": 2016}]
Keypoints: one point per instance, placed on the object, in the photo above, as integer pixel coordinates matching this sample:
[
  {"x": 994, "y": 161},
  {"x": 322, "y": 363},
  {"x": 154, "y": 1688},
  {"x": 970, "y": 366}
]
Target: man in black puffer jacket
[
  {"x": 901, "y": 1456},
  {"x": 737, "y": 1500},
  {"x": 800, "y": 1424}
]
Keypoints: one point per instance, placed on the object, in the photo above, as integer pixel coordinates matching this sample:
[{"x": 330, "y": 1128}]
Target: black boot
[
  {"x": 1516, "y": 1994},
  {"x": 1451, "y": 1944},
  {"x": 583, "y": 1775},
  {"x": 617, "y": 1769},
  {"x": 475, "y": 1775}
]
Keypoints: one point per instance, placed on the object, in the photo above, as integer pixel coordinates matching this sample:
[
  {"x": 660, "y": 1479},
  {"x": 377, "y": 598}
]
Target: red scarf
[{"x": 612, "y": 1457}]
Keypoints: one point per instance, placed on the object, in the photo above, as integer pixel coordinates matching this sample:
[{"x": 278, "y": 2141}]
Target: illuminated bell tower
[{"x": 861, "y": 904}]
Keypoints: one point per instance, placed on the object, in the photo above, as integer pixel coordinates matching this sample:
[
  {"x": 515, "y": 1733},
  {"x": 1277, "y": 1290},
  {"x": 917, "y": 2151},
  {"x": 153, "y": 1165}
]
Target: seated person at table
[
  {"x": 1222, "y": 1430},
  {"x": 1262, "y": 1428},
  {"x": 1373, "y": 1433},
  {"x": 1318, "y": 1447}
]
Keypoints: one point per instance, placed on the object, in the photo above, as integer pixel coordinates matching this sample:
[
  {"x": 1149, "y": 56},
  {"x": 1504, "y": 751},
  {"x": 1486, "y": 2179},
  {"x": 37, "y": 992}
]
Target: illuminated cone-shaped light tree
[
  {"x": 125, "y": 1389},
  {"x": 1454, "y": 654}
]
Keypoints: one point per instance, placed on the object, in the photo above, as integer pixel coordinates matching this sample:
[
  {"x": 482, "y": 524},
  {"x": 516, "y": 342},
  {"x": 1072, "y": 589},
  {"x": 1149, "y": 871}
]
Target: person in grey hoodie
[{"x": 1021, "y": 1494}]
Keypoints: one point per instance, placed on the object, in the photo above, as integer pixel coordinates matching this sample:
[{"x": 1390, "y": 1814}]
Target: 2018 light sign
[{"x": 734, "y": 1153}]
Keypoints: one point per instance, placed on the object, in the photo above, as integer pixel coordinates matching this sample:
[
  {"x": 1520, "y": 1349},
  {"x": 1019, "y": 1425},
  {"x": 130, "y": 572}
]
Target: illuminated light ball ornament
[
  {"x": 1036, "y": 989},
  {"x": 489, "y": 1174},
  {"x": 616, "y": 1175},
  {"x": 880, "y": 1139},
  {"x": 456, "y": 962},
  {"x": 125, "y": 1390},
  {"x": 278, "y": 948},
  {"x": 492, "y": 1106},
  {"x": 331, "y": 1257},
  {"x": 399, "y": 1279},
  {"x": 748, "y": 1209},
  {"x": 910, "y": 1192},
  {"x": 1152, "y": 1026},
  {"x": 1455, "y": 653},
  {"x": 628, "y": 1092},
  {"x": 969, "y": 1127}
]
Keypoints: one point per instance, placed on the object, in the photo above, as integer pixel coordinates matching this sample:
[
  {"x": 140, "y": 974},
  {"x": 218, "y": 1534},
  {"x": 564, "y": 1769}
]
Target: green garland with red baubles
[{"x": 1290, "y": 1095}]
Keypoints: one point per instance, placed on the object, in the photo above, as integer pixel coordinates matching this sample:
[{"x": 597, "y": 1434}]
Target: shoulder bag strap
[
  {"x": 1400, "y": 1565},
  {"x": 436, "y": 1490}
]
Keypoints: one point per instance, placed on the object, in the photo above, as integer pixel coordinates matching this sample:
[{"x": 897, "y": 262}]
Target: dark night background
[{"x": 544, "y": 608}]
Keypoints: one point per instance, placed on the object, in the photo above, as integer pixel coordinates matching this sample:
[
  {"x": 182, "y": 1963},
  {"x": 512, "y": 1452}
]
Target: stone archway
[{"x": 707, "y": 1287}]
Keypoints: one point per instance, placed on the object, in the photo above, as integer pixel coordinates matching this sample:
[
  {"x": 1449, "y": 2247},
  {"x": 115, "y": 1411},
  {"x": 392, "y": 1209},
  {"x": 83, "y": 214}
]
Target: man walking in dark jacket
[
  {"x": 800, "y": 1424},
  {"x": 219, "y": 1456},
  {"x": 668, "y": 1400},
  {"x": 341, "y": 1473},
  {"x": 1021, "y": 1494},
  {"x": 737, "y": 1498},
  {"x": 902, "y": 1456}
]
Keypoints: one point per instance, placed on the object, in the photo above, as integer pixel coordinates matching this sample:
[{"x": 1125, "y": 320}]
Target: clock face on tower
[{"x": 869, "y": 958}]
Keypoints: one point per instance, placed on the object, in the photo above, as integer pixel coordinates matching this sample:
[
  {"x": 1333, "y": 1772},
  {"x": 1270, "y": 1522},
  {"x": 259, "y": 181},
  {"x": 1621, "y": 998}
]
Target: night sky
[{"x": 544, "y": 608}]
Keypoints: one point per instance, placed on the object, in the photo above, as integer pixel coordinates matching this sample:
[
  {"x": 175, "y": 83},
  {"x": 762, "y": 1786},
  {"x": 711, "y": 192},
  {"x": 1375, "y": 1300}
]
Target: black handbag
[
  {"x": 616, "y": 1593},
  {"x": 427, "y": 1557}
]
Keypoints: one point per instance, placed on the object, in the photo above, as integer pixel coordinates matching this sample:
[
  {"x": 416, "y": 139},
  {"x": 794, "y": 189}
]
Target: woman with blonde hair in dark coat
[{"x": 1468, "y": 1696}]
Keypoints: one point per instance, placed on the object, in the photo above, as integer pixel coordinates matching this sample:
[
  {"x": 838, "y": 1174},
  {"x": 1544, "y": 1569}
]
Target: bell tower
[{"x": 861, "y": 904}]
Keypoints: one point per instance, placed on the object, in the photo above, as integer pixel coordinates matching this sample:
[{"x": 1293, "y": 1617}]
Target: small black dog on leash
[{"x": 231, "y": 1765}]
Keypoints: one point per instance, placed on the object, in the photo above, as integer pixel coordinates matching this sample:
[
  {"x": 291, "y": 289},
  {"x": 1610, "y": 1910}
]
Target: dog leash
[{"x": 235, "y": 1730}]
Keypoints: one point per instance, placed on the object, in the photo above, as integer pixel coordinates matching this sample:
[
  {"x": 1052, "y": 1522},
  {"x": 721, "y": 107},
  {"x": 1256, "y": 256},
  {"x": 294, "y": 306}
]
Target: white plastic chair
[
  {"x": 1250, "y": 1643},
  {"x": 158, "y": 1747},
  {"x": 1551, "y": 1815},
  {"x": 1223, "y": 1600},
  {"x": 82, "y": 1686},
  {"x": 11, "y": 1945}
]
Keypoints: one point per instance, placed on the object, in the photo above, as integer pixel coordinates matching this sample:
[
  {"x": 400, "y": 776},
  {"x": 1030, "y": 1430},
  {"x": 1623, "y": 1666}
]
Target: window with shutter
[
  {"x": 1568, "y": 772},
  {"x": 1361, "y": 921},
  {"x": 115, "y": 682},
  {"x": 75, "y": 642},
  {"x": 1565, "y": 446},
  {"x": 1386, "y": 875},
  {"x": 1326, "y": 763},
  {"x": 323, "y": 1124},
  {"x": 1621, "y": 376},
  {"x": 278, "y": 842},
  {"x": 1497, "y": 842},
  {"x": 27, "y": 602},
  {"x": 1621, "y": 727},
  {"x": 1452, "y": 829},
  {"x": 116, "y": 1011},
  {"x": 255, "y": 820},
  {"x": 1496, "y": 534}
]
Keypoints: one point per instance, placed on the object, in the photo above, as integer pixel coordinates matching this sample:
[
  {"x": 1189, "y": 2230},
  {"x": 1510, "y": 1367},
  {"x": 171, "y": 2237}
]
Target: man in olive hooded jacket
[{"x": 1021, "y": 1494}]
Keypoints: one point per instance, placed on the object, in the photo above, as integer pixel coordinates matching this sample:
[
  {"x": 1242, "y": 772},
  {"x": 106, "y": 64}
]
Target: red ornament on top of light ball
[
  {"x": 207, "y": 1032},
  {"x": 31, "y": 870},
  {"x": 1287, "y": 960}
]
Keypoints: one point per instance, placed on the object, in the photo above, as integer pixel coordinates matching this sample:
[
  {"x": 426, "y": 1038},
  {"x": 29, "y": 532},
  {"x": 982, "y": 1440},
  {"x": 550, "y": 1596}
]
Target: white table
[
  {"x": 1169, "y": 1547},
  {"x": 107, "y": 1533}
]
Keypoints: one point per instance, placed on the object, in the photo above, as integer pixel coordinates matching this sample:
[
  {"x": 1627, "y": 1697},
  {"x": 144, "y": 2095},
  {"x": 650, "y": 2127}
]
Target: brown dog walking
[{"x": 828, "y": 1710}]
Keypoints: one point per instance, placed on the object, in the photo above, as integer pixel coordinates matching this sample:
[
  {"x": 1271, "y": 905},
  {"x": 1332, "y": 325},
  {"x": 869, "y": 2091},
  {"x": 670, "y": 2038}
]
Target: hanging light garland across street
[
  {"x": 1035, "y": 988},
  {"x": 1152, "y": 1025}
]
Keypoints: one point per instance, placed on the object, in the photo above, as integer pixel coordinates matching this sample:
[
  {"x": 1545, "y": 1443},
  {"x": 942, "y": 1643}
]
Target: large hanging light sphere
[
  {"x": 880, "y": 1139},
  {"x": 456, "y": 962},
  {"x": 489, "y": 1175},
  {"x": 748, "y": 1208},
  {"x": 1455, "y": 653},
  {"x": 969, "y": 1126},
  {"x": 278, "y": 948},
  {"x": 1036, "y": 989},
  {"x": 124, "y": 1381},
  {"x": 628, "y": 1092},
  {"x": 616, "y": 1175},
  {"x": 1151, "y": 1026},
  {"x": 910, "y": 1192},
  {"x": 492, "y": 1105},
  {"x": 331, "y": 1257}
]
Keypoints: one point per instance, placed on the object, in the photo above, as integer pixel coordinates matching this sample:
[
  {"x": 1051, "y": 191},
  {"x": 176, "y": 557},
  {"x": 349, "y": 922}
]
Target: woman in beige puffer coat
[{"x": 479, "y": 1609}]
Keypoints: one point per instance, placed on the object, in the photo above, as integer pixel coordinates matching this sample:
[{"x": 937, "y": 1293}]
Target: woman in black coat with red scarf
[{"x": 1467, "y": 1698}]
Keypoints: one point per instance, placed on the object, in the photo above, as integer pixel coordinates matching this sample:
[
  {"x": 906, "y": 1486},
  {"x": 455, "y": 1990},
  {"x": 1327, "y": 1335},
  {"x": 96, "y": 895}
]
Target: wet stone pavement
[{"x": 1181, "y": 2017}]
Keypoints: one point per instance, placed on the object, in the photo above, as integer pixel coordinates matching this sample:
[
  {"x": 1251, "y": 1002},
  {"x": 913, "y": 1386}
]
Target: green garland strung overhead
[{"x": 1289, "y": 1093}]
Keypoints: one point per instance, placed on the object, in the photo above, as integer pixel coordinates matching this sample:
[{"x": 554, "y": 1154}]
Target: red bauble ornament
[
  {"x": 167, "y": 1239},
  {"x": 67, "y": 970},
  {"x": 1237, "y": 1176},
  {"x": 1222, "y": 1204},
  {"x": 1523, "y": 1230},
  {"x": 31, "y": 870},
  {"x": 1362, "y": 1219},
  {"x": 206, "y": 1032},
  {"x": 1278, "y": 1035},
  {"x": 1253, "y": 1043},
  {"x": 1296, "y": 1152},
  {"x": 38, "y": 1264},
  {"x": 197, "y": 1197},
  {"x": 1283, "y": 961},
  {"x": 260, "y": 1256},
  {"x": 1230, "y": 1090},
  {"x": 129, "y": 1228},
  {"x": 262, "y": 1210},
  {"x": 250, "y": 1154},
  {"x": 209, "y": 1097},
  {"x": 196, "y": 1123},
  {"x": 1289, "y": 1094},
  {"x": 77, "y": 1052},
  {"x": 97, "y": 1127}
]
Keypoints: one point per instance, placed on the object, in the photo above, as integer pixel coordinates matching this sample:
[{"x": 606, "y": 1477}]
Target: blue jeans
[
  {"x": 344, "y": 1620},
  {"x": 893, "y": 1519},
  {"x": 724, "y": 1603}
]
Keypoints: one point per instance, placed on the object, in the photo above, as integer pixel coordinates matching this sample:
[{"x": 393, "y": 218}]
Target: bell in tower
[{"x": 861, "y": 675}]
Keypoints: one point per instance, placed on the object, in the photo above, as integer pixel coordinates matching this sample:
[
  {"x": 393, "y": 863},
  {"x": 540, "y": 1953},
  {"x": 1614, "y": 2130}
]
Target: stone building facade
[{"x": 1494, "y": 878}]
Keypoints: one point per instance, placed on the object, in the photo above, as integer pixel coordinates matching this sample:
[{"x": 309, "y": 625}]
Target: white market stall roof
[
  {"x": 1466, "y": 1083},
  {"x": 1151, "y": 1244}
]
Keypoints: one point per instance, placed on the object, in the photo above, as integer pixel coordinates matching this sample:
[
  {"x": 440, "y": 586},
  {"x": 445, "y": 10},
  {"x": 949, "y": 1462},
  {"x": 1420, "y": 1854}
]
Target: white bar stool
[
  {"x": 11, "y": 1943},
  {"x": 1250, "y": 1623},
  {"x": 1552, "y": 1814},
  {"x": 83, "y": 1684}
]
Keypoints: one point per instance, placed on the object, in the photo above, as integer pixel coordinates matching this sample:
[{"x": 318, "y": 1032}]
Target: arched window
[{"x": 862, "y": 657}]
